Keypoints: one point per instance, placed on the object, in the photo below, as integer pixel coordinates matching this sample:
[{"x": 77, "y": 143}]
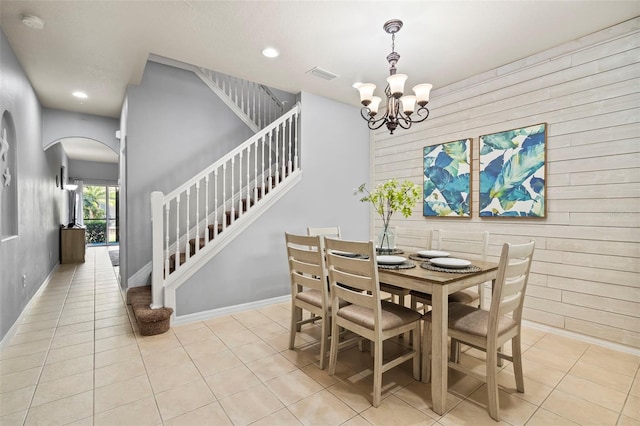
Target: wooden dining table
[{"x": 439, "y": 285}]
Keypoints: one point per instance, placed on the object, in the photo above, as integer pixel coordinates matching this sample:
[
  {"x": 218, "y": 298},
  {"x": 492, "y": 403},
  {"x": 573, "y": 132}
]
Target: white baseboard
[
  {"x": 141, "y": 278},
  {"x": 227, "y": 310},
  {"x": 583, "y": 338},
  {"x": 12, "y": 331}
]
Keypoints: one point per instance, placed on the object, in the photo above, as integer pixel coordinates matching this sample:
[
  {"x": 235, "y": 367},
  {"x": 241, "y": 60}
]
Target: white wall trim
[
  {"x": 227, "y": 310},
  {"x": 12, "y": 331},
  {"x": 141, "y": 278},
  {"x": 582, "y": 337}
]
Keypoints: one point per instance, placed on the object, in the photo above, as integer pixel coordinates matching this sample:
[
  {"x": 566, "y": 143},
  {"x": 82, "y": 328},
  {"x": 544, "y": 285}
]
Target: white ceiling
[{"x": 100, "y": 47}]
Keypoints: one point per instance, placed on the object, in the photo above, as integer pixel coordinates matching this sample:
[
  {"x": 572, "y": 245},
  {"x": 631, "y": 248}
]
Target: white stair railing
[
  {"x": 217, "y": 193},
  {"x": 255, "y": 100}
]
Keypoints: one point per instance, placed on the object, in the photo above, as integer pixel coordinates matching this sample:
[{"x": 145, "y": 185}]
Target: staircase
[{"x": 198, "y": 219}]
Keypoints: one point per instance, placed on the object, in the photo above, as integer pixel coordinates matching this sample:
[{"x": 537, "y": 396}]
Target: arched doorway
[{"x": 91, "y": 180}]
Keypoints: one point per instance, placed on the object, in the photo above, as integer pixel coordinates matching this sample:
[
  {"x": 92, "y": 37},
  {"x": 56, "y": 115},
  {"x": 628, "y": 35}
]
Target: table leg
[{"x": 439, "y": 357}]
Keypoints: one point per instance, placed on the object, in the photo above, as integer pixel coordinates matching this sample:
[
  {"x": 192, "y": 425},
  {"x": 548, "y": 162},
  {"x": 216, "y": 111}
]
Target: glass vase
[{"x": 386, "y": 241}]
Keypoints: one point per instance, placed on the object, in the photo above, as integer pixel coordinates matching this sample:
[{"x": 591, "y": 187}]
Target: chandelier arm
[{"x": 372, "y": 124}]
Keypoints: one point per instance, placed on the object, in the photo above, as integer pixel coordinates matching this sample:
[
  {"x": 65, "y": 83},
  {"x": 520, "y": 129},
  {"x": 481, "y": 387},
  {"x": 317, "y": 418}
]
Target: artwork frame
[
  {"x": 63, "y": 176},
  {"x": 447, "y": 187},
  {"x": 513, "y": 173}
]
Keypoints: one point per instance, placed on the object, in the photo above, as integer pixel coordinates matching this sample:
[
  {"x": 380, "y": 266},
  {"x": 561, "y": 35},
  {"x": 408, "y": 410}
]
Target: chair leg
[
  {"x": 454, "y": 356},
  {"x": 516, "y": 352},
  {"x": 492, "y": 382},
  {"x": 426, "y": 352},
  {"x": 415, "y": 333},
  {"x": 335, "y": 342},
  {"x": 295, "y": 326},
  {"x": 377, "y": 374},
  {"x": 324, "y": 340}
]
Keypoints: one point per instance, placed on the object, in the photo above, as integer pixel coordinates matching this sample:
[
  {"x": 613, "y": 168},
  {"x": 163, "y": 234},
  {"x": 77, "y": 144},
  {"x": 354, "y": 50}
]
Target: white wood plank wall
[{"x": 586, "y": 273}]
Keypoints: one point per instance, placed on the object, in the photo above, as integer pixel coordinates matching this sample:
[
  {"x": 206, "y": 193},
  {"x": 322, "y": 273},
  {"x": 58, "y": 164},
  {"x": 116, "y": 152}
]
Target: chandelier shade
[{"x": 400, "y": 108}]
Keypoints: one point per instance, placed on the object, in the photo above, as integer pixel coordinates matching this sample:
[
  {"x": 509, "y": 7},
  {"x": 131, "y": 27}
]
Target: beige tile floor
[{"x": 76, "y": 359}]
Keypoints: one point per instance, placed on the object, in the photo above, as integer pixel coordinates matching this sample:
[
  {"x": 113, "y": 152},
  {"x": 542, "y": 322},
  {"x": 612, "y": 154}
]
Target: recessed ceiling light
[
  {"x": 32, "y": 21},
  {"x": 80, "y": 95},
  {"x": 270, "y": 52}
]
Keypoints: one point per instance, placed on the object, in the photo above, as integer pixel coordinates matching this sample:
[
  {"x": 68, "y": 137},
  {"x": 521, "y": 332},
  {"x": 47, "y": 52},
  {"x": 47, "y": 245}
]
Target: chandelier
[{"x": 400, "y": 107}]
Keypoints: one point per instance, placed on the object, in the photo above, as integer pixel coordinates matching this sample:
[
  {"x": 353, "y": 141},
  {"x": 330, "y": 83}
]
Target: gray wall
[
  {"x": 94, "y": 172},
  {"x": 176, "y": 127},
  {"x": 59, "y": 124},
  {"x": 41, "y": 206},
  {"x": 335, "y": 160}
]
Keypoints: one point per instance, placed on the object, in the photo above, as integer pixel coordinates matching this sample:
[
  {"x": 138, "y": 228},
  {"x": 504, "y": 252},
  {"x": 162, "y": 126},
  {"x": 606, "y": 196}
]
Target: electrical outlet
[{"x": 24, "y": 280}]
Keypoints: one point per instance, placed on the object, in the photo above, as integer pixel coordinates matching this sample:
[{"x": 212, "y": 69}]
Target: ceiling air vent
[{"x": 323, "y": 74}]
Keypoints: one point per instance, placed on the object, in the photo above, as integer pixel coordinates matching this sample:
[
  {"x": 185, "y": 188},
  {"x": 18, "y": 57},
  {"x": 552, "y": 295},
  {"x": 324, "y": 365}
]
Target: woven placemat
[
  {"x": 468, "y": 269},
  {"x": 394, "y": 251},
  {"x": 404, "y": 265}
]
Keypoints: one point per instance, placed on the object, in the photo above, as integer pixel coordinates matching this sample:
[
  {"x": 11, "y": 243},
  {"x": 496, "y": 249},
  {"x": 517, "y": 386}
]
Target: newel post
[{"x": 157, "y": 272}]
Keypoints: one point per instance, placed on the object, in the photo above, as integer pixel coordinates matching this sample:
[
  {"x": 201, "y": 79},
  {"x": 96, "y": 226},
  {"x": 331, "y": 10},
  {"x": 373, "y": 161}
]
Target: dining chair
[
  {"x": 357, "y": 307},
  {"x": 411, "y": 240},
  {"x": 327, "y": 231},
  {"x": 489, "y": 330},
  {"x": 309, "y": 290},
  {"x": 468, "y": 245}
]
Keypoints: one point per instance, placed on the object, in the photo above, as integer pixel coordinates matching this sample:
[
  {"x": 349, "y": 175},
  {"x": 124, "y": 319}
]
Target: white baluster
[
  {"x": 240, "y": 209},
  {"x": 270, "y": 134},
  {"x": 248, "y": 199},
  {"x": 233, "y": 179},
  {"x": 167, "y": 207},
  {"x": 215, "y": 202},
  {"x": 262, "y": 160},
  {"x": 255, "y": 172},
  {"x": 224, "y": 196},
  {"x": 187, "y": 251},
  {"x": 177, "y": 259},
  {"x": 197, "y": 237},
  {"x": 289, "y": 145},
  {"x": 296, "y": 148},
  {"x": 282, "y": 140},
  {"x": 277, "y": 130},
  {"x": 206, "y": 210}
]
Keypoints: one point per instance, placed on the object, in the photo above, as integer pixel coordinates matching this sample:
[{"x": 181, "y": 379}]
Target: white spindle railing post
[
  {"x": 289, "y": 147},
  {"x": 255, "y": 172},
  {"x": 262, "y": 161},
  {"x": 296, "y": 147},
  {"x": 240, "y": 209},
  {"x": 197, "y": 237},
  {"x": 270, "y": 165},
  {"x": 177, "y": 254},
  {"x": 215, "y": 202},
  {"x": 167, "y": 208},
  {"x": 277, "y": 129},
  {"x": 233, "y": 201},
  {"x": 206, "y": 210},
  {"x": 224, "y": 196},
  {"x": 157, "y": 280},
  {"x": 248, "y": 199},
  {"x": 187, "y": 251}
]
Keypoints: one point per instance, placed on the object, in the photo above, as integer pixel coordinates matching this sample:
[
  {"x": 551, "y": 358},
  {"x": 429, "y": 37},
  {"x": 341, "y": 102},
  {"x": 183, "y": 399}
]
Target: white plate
[
  {"x": 432, "y": 253},
  {"x": 390, "y": 260},
  {"x": 344, "y": 253},
  {"x": 450, "y": 262}
]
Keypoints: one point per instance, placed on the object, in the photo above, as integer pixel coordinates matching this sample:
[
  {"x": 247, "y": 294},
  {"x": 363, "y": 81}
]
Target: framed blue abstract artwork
[
  {"x": 513, "y": 173},
  {"x": 447, "y": 179}
]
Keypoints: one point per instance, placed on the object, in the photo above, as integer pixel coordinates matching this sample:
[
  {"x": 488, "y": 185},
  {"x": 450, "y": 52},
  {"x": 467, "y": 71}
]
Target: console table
[{"x": 72, "y": 245}]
